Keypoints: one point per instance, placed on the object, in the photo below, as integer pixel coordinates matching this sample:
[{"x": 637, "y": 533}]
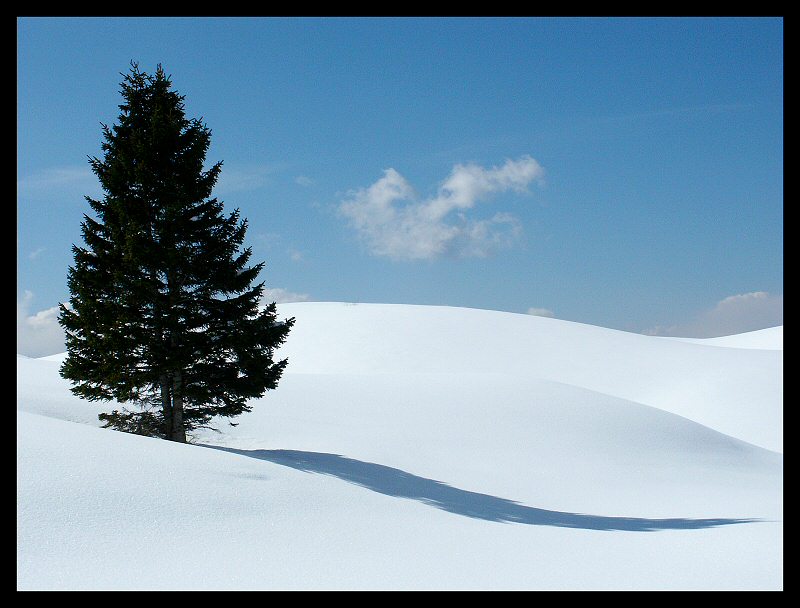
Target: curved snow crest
[
  {"x": 735, "y": 388},
  {"x": 59, "y": 357},
  {"x": 770, "y": 338},
  {"x": 736, "y": 391}
]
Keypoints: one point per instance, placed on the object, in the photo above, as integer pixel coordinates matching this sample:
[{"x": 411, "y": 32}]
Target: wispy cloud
[
  {"x": 58, "y": 180},
  {"x": 268, "y": 239},
  {"x": 38, "y": 334},
  {"x": 36, "y": 253},
  {"x": 541, "y": 312},
  {"x": 733, "y": 315},
  {"x": 683, "y": 112},
  {"x": 274, "y": 241},
  {"x": 243, "y": 178},
  {"x": 302, "y": 180},
  {"x": 234, "y": 178},
  {"x": 393, "y": 222}
]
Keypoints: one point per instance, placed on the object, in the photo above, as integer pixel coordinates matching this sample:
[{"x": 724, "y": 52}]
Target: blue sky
[{"x": 626, "y": 173}]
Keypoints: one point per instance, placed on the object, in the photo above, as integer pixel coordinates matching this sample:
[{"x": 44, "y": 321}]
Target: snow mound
[
  {"x": 415, "y": 447},
  {"x": 736, "y": 392}
]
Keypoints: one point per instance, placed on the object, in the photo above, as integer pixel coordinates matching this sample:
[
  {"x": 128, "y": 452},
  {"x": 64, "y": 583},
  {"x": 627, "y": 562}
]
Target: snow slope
[
  {"x": 414, "y": 447},
  {"x": 770, "y": 338}
]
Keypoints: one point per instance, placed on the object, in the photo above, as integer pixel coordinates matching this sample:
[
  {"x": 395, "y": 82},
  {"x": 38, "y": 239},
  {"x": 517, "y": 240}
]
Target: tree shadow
[{"x": 398, "y": 483}]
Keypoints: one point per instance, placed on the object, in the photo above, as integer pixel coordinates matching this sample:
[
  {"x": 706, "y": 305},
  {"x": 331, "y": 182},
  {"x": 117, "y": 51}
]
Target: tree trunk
[
  {"x": 178, "y": 430},
  {"x": 166, "y": 405}
]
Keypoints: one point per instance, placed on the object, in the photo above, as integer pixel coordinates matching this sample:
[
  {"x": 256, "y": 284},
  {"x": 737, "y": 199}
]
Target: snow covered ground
[{"x": 419, "y": 447}]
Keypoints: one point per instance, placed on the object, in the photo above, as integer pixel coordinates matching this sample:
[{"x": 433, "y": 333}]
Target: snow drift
[{"x": 417, "y": 447}]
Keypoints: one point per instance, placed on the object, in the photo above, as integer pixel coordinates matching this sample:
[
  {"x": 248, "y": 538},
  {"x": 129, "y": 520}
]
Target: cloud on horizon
[
  {"x": 38, "y": 334},
  {"x": 393, "y": 222},
  {"x": 733, "y": 315},
  {"x": 541, "y": 312},
  {"x": 279, "y": 295}
]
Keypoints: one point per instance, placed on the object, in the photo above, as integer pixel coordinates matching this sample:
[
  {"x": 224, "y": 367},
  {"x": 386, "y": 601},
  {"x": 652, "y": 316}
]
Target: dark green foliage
[
  {"x": 147, "y": 422},
  {"x": 163, "y": 312}
]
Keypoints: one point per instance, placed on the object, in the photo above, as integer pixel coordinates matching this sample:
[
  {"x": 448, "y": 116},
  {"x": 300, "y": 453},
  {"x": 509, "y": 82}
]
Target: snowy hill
[
  {"x": 767, "y": 339},
  {"x": 417, "y": 447}
]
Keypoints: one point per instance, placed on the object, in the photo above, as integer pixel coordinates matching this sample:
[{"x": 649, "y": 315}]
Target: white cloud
[
  {"x": 540, "y": 312},
  {"x": 392, "y": 221},
  {"x": 279, "y": 295},
  {"x": 302, "y": 180},
  {"x": 38, "y": 334},
  {"x": 733, "y": 315}
]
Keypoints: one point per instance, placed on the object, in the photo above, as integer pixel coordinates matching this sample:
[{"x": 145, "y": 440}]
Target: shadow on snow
[{"x": 394, "y": 482}]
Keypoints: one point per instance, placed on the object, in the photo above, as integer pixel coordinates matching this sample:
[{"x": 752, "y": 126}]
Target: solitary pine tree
[{"x": 163, "y": 313}]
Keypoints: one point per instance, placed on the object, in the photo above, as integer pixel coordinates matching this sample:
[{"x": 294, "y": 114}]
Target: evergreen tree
[{"x": 163, "y": 313}]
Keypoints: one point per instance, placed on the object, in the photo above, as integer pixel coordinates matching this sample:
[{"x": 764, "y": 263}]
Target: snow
[
  {"x": 418, "y": 447},
  {"x": 767, "y": 339}
]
